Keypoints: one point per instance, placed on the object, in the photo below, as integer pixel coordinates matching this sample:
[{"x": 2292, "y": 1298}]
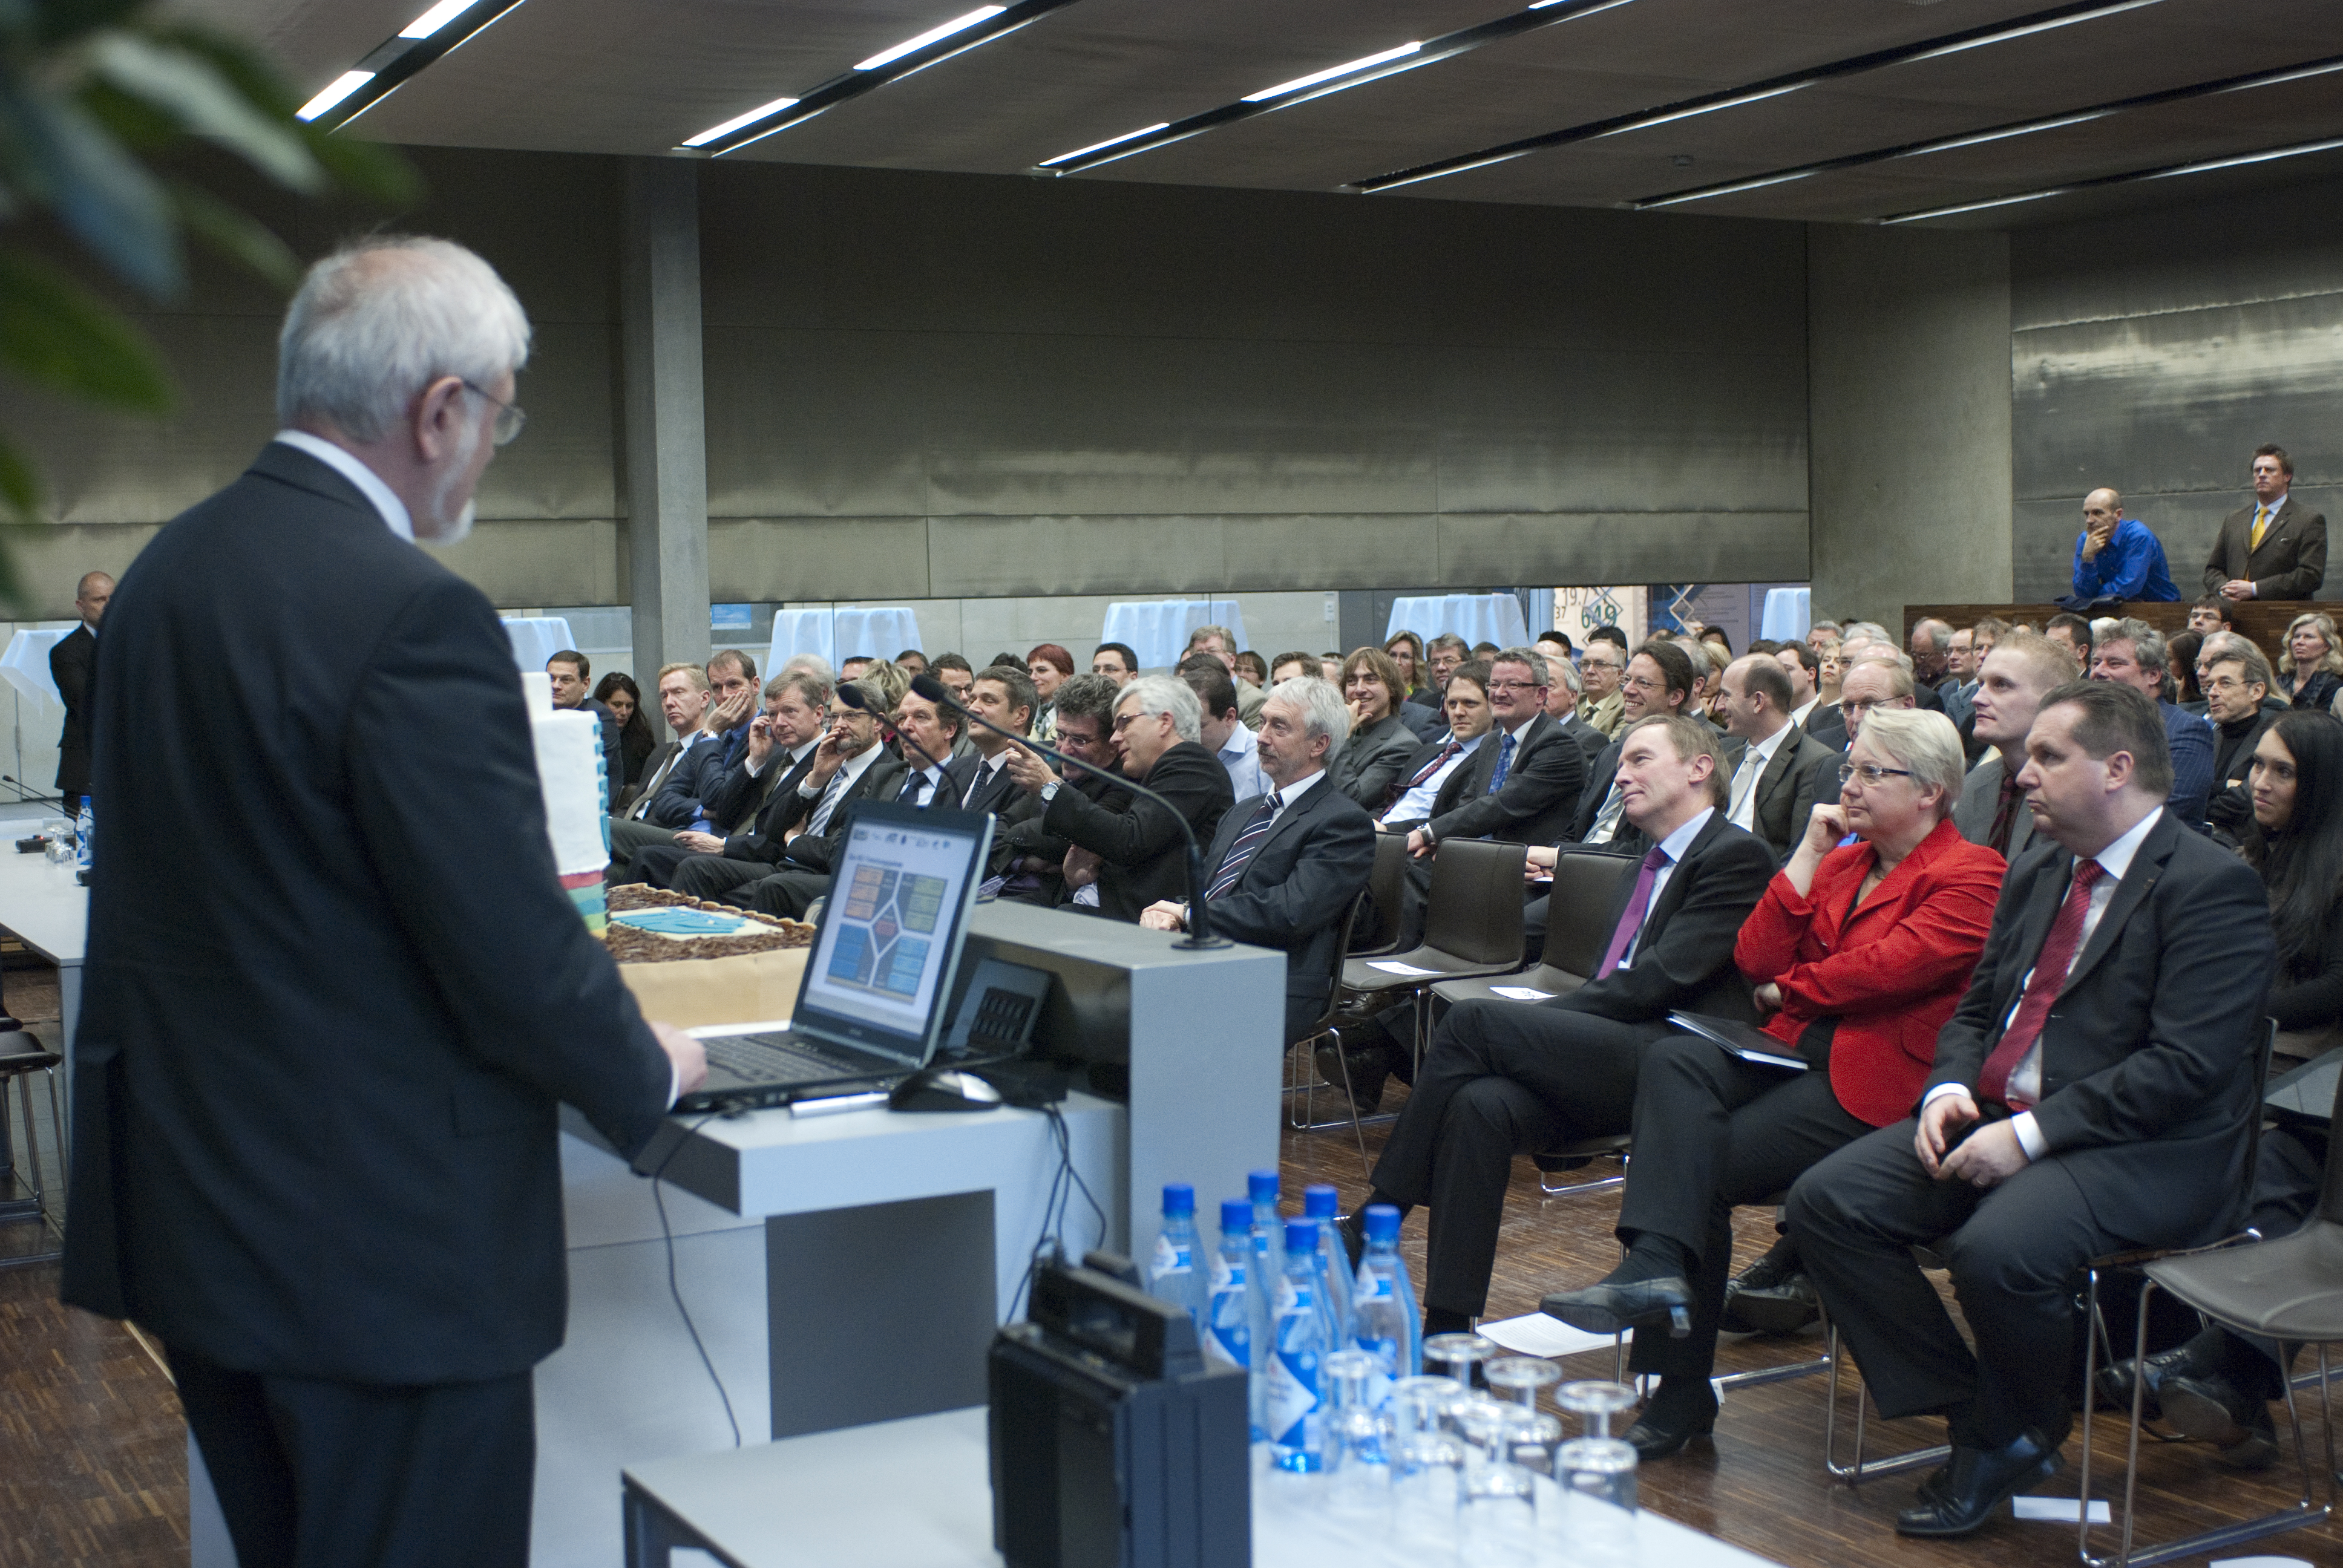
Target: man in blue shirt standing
[{"x": 2119, "y": 558}]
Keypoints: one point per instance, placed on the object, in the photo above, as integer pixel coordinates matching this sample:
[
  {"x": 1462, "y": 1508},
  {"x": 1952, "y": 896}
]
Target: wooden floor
[{"x": 93, "y": 1468}]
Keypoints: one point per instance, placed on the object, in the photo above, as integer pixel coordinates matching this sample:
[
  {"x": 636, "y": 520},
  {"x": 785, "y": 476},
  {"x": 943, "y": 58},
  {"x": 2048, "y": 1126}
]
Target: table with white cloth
[
  {"x": 1787, "y": 614},
  {"x": 1477, "y": 618},
  {"x": 537, "y": 637},
  {"x": 836, "y": 635},
  {"x": 25, "y": 665},
  {"x": 1156, "y": 629}
]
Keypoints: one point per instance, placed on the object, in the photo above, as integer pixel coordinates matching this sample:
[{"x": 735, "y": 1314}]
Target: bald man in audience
[{"x": 2119, "y": 558}]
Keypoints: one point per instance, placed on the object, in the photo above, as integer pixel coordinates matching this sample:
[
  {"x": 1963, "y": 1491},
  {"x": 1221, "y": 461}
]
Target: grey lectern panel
[
  {"x": 839, "y": 1361},
  {"x": 1202, "y": 1031}
]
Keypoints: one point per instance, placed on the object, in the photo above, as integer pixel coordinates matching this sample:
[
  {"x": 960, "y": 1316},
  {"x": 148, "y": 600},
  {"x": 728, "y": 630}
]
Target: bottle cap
[
  {"x": 1382, "y": 1222},
  {"x": 1301, "y": 1235},
  {"x": 1236, "y": 1214},
  {"x": 1179, "y": 1198},
  {"x": 1320, "y": 1202},
  {"x": 1262, "y": 1185}
]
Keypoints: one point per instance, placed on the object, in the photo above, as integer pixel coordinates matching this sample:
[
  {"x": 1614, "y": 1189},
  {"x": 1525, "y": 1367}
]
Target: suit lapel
[
  {"x": 1290, "y": 819},
  {"x": 2145, "y": 868},
  {"x": 1680, "y": 877}
]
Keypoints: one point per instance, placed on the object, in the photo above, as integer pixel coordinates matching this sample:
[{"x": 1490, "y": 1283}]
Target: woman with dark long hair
[{"x": 619, "y": 693}]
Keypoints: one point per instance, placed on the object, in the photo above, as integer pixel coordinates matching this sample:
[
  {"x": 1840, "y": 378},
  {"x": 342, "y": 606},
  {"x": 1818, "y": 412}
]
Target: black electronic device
[
  {"x": 1746, "y": 1040},
  {"x": 1111, "y": 1445},
  {"x": 943, "y": 1089},
  {"x": 998, "y": 1011}
]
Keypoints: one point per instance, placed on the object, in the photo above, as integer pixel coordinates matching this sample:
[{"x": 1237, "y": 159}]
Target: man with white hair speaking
[
  {"x": 315, "y": 1132},
  {"x": 1284, "y": 870}
]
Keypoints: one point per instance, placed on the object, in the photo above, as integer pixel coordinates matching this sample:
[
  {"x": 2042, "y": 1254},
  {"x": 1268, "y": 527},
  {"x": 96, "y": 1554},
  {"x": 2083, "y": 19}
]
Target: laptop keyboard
[{"x": 757, "y": 1060}]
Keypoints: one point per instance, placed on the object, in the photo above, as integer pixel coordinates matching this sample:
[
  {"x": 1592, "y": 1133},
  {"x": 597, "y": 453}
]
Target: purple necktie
[{"x": 1637, "y": 903}]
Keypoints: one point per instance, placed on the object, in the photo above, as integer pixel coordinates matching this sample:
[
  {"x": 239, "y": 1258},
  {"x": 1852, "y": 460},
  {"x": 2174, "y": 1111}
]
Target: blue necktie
[
  {"x": 1505, "y": 762},
  {"x": 1233, "y": 864}
]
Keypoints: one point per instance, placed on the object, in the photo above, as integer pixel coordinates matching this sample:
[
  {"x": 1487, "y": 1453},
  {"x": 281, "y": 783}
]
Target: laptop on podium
[{"x": 870, "y": 1009}]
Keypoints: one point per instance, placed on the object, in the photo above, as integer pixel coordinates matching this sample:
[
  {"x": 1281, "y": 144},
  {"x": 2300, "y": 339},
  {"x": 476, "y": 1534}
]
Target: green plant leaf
[
  {"x": 54, "y": 332},
  {"x": 204, "y": 101},
  {"x": 62, "y": 21},
  {"x": 236, "y": 235},
  {"x": 373, "y": 172},
  {"x": 101, "y": 193}
]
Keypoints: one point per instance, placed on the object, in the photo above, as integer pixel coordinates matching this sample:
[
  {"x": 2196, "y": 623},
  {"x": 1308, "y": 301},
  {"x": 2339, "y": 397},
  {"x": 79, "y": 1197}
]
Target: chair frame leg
[
  {"x": 2307, "y": 1512},
  {"x": 1578, "y": 1189},
  {"x": 1302, "y": 1078},
  {"x": 1854, "y": 1474},
  {"x": 40, "y": 1213}
]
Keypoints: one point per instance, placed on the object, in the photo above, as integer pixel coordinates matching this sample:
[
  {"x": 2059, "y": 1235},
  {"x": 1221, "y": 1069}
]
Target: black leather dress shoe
[
  {"x": 2116, "y": 1382},
  {"x": 1656, "y": 1437},
  {"x": 1762, "y": 1275},
  {"x": 1787, "y": 1307},
  {"x": 1614, "y": 1308},
  {"x": 1369, "y": 1067},
  {"x": 2212, "y": 1409},
  {"x": 1975, "y": 1482}
]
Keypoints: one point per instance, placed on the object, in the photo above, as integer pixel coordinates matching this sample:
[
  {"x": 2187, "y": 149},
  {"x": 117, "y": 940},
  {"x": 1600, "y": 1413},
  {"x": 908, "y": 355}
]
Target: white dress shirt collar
[
  {"x": 2116, "y": 858},
  {"x": 370, "y": 483}
]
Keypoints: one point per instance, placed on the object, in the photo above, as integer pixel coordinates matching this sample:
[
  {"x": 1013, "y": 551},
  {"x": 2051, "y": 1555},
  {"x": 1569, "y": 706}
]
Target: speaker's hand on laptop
[{"x": 688, "y": 1057}]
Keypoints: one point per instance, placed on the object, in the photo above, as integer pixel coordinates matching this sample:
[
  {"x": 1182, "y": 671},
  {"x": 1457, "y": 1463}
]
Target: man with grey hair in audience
[
  {"x": 1565, "y": 687},
  {"x": 1286, "y": 872},
  {"x": 2235, "y": 680},
  {"x": 2133, "y": 653},
  {"x": 337, "y": 1206},
  {"x": 1143, "y": 853}
]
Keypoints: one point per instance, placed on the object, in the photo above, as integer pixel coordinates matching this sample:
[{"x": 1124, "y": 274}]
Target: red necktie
[
  {"x": 2042, "y": 987},
  {"x": 1435, "y": 765}
]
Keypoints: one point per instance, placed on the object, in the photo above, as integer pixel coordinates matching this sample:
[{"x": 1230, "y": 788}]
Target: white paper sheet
[
  {"x": 1521, "y": 993},
  {"x": 1535, "y": 1334},
  {"x": 2059, "y": 1510},
  {"x": 1394, "y": 967},
  {"x": 2259, "y": 1562}
]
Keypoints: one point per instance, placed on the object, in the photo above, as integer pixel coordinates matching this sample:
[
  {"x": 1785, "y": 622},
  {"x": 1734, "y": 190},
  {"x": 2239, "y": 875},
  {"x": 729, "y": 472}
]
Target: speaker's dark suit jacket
[
  {"x": 1535, "y": 803},
  {"x": 1785, "y": 790},
  {"x": 1370, "y": 761},
  {"x": 71, "y": 663},
  {"x": 318, "y": 1060},
  {"x": 2291, "y": 562},
  {"x": 1145, "y": 855},
  {"x": 1297, "y": 889}
]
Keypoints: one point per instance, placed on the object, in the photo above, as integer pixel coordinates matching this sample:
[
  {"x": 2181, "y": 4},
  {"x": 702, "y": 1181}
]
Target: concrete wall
[
  {"x": 932, "y": 387},
  {"x": 2154, "y": 352},
  {"x": 1909, "y": 410}
]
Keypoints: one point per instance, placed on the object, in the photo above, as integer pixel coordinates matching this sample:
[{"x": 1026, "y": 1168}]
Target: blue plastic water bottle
[
  {"x": 1319, "y": 1203},
  {"x": 1172, "y": 1274},
  {"x": 1268, "y": 1264},
  {"x": 85, "y": 830},
  {"x": 1228, "y": 1338},
  {"x": 1296, "y": 1381},
  {"x": 1387, "y": 1325}
]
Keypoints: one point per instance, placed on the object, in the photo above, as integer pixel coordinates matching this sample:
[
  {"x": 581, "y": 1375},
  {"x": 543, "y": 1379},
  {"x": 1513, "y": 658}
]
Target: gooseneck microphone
[
  {"x": 854, "y": 699},
  {"x": 1200, "y": 924}
]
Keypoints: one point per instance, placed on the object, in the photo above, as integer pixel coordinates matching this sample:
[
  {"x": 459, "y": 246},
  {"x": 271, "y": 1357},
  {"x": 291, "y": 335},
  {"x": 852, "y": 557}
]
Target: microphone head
[
  {"x": 934, "y": 690},
  {"x": 851, "y": 695}
]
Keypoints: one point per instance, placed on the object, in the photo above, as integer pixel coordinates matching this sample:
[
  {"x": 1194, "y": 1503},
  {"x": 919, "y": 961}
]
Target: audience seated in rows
[
  {"x": 617, "y": 692},
  {"x": 1225, "y": 734},
  {"x": 775, "y": 759}
]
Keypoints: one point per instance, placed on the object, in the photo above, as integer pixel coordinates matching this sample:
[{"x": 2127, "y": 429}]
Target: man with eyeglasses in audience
[
  {"x": 2235, "y": 680},
  {"x": 1657, "y": 684},
  {"x": 1602, "y": 666}
]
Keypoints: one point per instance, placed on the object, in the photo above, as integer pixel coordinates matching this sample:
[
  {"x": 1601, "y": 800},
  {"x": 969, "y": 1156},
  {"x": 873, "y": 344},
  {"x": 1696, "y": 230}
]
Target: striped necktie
[
  {"x": 1241, "y": 852},
  {"x": 1447, "y": 755},
  {"x": 1504, "y": 764},
  {"x": 820, "y": 821}
]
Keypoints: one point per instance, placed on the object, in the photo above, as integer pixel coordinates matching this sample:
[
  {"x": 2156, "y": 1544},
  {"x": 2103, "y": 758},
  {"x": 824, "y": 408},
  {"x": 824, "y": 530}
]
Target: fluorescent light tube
[
  {"x": 1648, "y": 121},
  {"x": 438, "y": 17},
  {"x": 345, "y": 84},
  {"x": 714, "y": 132},
  {"x": 911, "y": 45},
  {"x": 2209, "y": 165},
  {"x": 1101, "y": 146},
  {"x": 2005, "y": 34},
  {"x": 1330, "y": 71}
]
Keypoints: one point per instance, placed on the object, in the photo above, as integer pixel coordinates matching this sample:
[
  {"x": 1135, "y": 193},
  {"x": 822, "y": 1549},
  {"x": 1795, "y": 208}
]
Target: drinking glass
[
  {"x": 1522, "y": 1376},
  {"x": 1425, "y": 1462},
  {"x": 1359, "y": 1467},
  {"x": 1597, "y": 1465}
]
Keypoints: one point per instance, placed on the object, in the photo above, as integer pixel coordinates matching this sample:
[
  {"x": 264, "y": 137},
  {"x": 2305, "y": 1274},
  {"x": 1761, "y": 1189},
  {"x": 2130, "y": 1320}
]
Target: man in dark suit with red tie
[
  {"x": 1285, "y": 870},
  {"x": 1506, "y": 1078},
  {"x": 2275, "y": 549},
  {"x": 314, "y": 1137},
  {"x": 2094, "y": 1093}
]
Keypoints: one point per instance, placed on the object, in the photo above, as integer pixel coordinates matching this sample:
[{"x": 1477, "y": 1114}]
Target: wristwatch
[{"x": 1050, "y": 790}]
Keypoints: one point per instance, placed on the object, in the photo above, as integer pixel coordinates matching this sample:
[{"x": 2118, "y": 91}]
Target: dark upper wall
[
  {"x": 2154, "y": 352},
  {"x": 925, "y": 384}
]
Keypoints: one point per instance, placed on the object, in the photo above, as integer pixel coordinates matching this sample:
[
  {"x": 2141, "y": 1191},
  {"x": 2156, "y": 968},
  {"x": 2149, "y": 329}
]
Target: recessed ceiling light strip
[
  {"x": 1754, "y": 92},
  {"x": 2201, "y": 166},
  {"x": 1334, "y": 79},
  {"x": 1999, "y": 133},
  {"x": 908, "y": 58},
  {"x": 432, "y": 35}
]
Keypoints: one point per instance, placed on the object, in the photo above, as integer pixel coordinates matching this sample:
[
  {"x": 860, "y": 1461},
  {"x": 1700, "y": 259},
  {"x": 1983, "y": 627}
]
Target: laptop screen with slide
[{"x": 892, "y": 929}]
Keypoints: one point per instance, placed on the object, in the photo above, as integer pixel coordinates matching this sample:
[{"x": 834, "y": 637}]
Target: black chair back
[
  {"x": 1474, "y": 910},
  {"x": 1377, "y": 930},
  {"x": 1578, "y": 911}
]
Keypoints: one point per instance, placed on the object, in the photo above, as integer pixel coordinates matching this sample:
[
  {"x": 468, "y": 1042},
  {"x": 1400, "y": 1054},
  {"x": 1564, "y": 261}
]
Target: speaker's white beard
[{"x": 439, "y": 527}]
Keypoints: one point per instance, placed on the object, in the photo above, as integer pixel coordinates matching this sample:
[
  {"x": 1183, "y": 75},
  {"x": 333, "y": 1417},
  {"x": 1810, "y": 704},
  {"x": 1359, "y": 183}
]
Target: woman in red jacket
[{"x": 1860, "y": 951}]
